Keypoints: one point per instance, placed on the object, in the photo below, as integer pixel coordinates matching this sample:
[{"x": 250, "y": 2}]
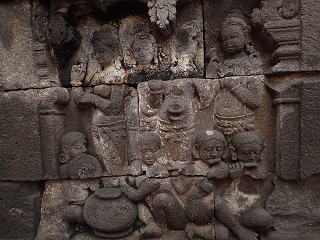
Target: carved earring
[{"x": 64, "y": 158}]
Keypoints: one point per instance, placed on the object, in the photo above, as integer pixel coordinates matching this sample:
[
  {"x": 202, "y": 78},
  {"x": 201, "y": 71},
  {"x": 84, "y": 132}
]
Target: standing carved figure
[
  {"x": 106, "y": 48},
  {"x": 108, "y": 125},
  {"x": 240, "y": 76}
]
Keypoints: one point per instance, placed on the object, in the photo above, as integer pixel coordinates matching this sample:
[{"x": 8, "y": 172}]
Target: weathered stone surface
[
  {"x": 310, "y": 35},
  {"x": 297, "y": 123},
  {"x": 20, "y": 136},
  {"x": 25, "y": 61},
  {"x": 294, "y": 206},
  {"x": 279, "y": 22},
  {"x": 310, "y": 127},
  {"x": 20, "y": 204},
  {"x": 137, "y": 144},
  {"x": 31, "y": 124},
  {"x": 287, "y": 102}
]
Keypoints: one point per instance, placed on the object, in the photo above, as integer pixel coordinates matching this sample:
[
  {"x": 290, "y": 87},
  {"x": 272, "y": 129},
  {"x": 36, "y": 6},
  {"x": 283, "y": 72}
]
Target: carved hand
[
  {"x": 229, "y": 83},
  {"x": 86, "y": 98},
  {"x": 236, "y": 169},
  {"x": 78, "y": 73}
]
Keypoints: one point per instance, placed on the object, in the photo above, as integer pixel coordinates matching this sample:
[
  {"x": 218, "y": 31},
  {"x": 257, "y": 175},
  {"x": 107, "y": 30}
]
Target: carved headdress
[
  {"x": 107, "y": 34},
  {"x": 246, "y": 137},
  {"x": 236, "y": 17}
]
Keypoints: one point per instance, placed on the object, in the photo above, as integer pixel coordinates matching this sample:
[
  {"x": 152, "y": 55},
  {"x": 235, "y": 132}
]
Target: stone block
[{"x": 20, "y": 204}]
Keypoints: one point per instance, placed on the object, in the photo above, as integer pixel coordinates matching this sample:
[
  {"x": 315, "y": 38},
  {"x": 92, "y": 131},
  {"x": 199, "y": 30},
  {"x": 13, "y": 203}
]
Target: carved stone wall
[{"x": 159, "y": 119}]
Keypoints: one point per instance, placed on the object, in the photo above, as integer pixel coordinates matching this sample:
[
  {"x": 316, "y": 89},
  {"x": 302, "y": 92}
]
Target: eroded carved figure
[
  {"x": 209, "y": 152},
  {"x": 76, "y": 163},
  {"x": 241, "y": 57},
  {"x": 108, "y": 127},
  {"x": 107, "y": 51},
  {"x": 169, "y": 108},
  {"x": 246, "y": 195}
]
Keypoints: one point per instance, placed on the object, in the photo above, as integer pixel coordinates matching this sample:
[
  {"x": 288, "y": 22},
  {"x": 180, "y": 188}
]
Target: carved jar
[{"x": 110, "y": 213}]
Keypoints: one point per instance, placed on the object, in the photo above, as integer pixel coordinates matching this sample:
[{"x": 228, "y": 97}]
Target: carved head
[
  {"x": 247, "y": 147},
  {"x": 106, "y": 45},
  {"x": 149, "y": 147},
  {"x": 143, "y": 46},
  {"x": 234, "y": 33},
  {"x": 210, "y": 146},
  {"x": 72, "y": 145}
]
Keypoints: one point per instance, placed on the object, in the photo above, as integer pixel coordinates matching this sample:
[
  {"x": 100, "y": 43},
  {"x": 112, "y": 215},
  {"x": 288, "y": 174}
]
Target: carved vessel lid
[{"x": 108, "y": 193}]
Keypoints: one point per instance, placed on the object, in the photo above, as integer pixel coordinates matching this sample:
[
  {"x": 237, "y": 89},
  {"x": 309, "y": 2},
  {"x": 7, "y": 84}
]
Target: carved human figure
[
  {"x": 210, "y": 149},
  {"x": 144, "y": 46},
  {"x": 166, "y": 197},
  {"x": 177, "y": 113},
  {"x": 241, "y": 94},
  {"x": 152, "y": 161},
  {"x": 76, "y": 163},
  {"x": 247, "y": 150},
  {"x": 106, "y": 48},
  {"x": 210, "y": 217},
  {"x": 241, "y": 58},
  {"x": 247, "y": 193},
  {"x": 108, "y": 124}
]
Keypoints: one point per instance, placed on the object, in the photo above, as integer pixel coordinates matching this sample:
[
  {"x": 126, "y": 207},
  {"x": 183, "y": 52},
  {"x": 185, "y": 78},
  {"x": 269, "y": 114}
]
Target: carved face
[
  {"x": 250, "y": 153},
  {"x": 105, "y": 54},
  {"x": 212, "y": 151},
  {"x": 143, "y": 51},
  {"x": 149, "y": 153},
  {"x": 77, "y": 148},
  {"x": 233, "y": 39}
]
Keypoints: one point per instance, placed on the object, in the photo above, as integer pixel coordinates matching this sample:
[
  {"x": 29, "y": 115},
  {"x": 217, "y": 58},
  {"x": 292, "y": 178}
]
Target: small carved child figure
[
  {"x": 210, "y": 147},
  {"x": 77, "y": 164},
  {"x": 247, "y": 149},
  {"x": 149, "y": 150}
]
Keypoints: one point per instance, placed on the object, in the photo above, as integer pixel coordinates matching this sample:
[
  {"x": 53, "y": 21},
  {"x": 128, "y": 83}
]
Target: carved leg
[
  {"x": 169, "y": 212},
  {"x": 151, "y": 229},
  {"x": 206, "y": 232},
  {"x": 225, "y": 216},
  {"x": 257, "y": 218}
]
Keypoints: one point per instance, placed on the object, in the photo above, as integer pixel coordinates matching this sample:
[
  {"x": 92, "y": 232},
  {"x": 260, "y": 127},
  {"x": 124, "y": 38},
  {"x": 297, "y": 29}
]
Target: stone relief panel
[
  {"x": 128, "y": 48},
  {"x": 150, "y": 136}
]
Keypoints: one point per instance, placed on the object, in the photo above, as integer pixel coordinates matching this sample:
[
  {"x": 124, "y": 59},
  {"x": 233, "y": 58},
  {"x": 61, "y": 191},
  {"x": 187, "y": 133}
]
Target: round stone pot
[{"x": 110, "y": 213}]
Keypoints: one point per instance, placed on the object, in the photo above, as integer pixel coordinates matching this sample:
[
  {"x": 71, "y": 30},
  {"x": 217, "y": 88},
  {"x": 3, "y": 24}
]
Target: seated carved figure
[
  {"x": 210, "y": 147},
  {"x": 151, "y": 160},
  {"x": 76, "y": 163},
  {"x": 241, "y": 92},
  {"x": 247, "y": 149},
  {"x": 106, "y": 48},
  {"x": 247, "y": 193}
]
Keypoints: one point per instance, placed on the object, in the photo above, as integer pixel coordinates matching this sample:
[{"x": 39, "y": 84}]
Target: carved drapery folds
[
  {"x": 163, "y": 119},
  {"x": 173, "y": 155}
]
